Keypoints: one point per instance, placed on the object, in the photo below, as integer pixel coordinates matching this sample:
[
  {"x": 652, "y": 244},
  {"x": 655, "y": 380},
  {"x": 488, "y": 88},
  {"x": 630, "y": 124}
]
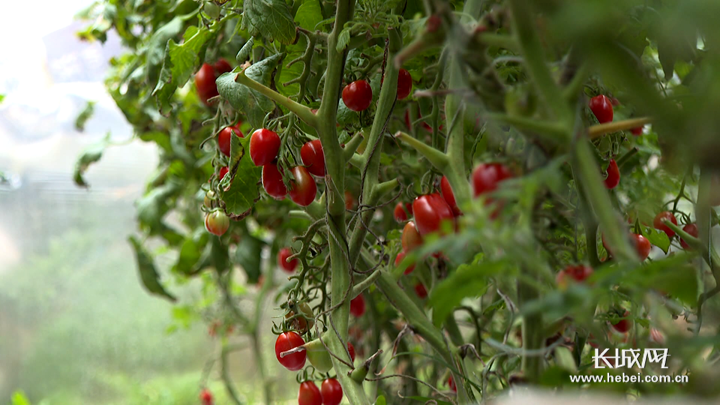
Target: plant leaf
[{"x": 148, "y": 273}]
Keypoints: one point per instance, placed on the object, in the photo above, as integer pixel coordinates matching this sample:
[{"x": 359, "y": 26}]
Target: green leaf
[
  {"x": 154, "y": 205},
  {"x": 191, "y": 251},
  {"x": 181, "y": 61},
  {"x": 656, "y": 237},
  {"x": 244, "y": 177},
  {"x": 270, "y": 18},
  {"x": 248, "y": 256},
  {"x": 555, "y": 376},
  {"x": 245, "y": 51},
  {"x": 309, "y": 15},
  {"x": 84, "y": 116},
  {"x": 673, "y": 275},
  {"x": 242, "y": 98},
  {"x": 219, "y": 255},
  {"x": 91, "y": 155},
  {"x": 469, "y": 280},
  {"x": 380, "y": 400},
  {"x": 343, "y": 39},
  {"x": 19, "y": 398},
  {"x": 564, "y": 359},
  {"x": 148, "y": 273}
]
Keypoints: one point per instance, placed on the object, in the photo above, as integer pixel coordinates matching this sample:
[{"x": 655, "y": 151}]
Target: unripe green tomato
[
  {"x": 212, "y": 10},
  {"x": 318, "y": 356},
  {"x": 519, "y": 101}
]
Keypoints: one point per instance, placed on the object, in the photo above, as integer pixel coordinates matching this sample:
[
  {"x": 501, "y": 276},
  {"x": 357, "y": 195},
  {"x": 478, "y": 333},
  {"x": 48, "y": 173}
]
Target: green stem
[
  {"x": 551, "y": 131},
  {"x": 599, "y": 130},
  {"x": 298, "y": 109},
  {"x": 524, "y": 29},
  {"x": 438, "y": 159},
  {"x": 532, "y": 337},
  {"x": 352, "y": 145}
]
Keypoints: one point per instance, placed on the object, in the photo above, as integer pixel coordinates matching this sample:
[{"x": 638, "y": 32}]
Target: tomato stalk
[{"x": 599, "y": 130}]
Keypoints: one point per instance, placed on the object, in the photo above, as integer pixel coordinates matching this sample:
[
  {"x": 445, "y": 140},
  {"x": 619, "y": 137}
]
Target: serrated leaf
[
  {"x": 248, "y": 256},
  {"x": 148, "y": 273},
  {"x": 469, "y": 280},
  {"x": 91, "y": 155},
  {"x": 343, "y": 39},
  {"x": 180, "y": 62},
  {"x": 309, "y": 15},
  {"x": 244, "y": 176},
  {"x": 242, "y": 98},
  {"x": 270, "y": 18},
  {"x": 84, "y": 116},
  {"x": 244, "y": 52}
]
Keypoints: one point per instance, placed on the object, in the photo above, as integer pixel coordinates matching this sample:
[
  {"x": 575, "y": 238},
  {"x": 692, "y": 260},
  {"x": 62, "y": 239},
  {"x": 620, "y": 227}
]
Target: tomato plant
[{"x": 508, "y": 121}]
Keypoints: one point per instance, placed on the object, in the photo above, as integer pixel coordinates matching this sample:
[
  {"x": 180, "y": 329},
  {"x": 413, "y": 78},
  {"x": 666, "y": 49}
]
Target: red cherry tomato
[
  {"x": 411, "y": 238},
  {"x": 351, "y": 350},
  {"x": 264, "y": 146},
  {"x": 613, "y": 175},
  {"x": 309, "y": 394},
  {"x": 658, "y": 222},
  {"x": 577, "y": 273},
  {"x": 223, "y": 172},
  {"x": 357, "y": 306},
  {"x": 217, "y": 223},
  {"x": 449, "y": 196},
  {"x": 433, "y": 23},
  {"x": 420, "y": 291},
  {"x": 637, "y": 131},
  {"x": 642, "y": 246},
  {"x": 332, "y": 392},
  {"x": 222, "y": 66},
  {"x": 404, "y": 85},
  {"x": 206, "y": 397},
  {"x": 357, "y": 95},
  {"x": 399, "y": 258},
  {"x": 205, "y": 83},
  {"x": 430, "y": 211},
  {"x": 451, "y": 384},
  {"x": 302, "y": 188},
  {"x": 313, "y": 157},
  {"x": 623, "y": 325},
  {"x": 349, "y": 200},
  {"x": 288, "y": 341},
  {"x": 272, "y": 182},
  {"x": 224, "y": 138},
  {"x": 602, "y": 107},
  {"x": 487, "y": 176},
  {"x": 399, "y": 212},
  {"x": 692, "y": 229},
  {"x": 282, "y": 256}
]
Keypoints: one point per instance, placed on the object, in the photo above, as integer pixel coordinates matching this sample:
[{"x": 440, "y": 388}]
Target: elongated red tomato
[
  {"x": 224, "y": 138},
  {"x": 642, "y": 246},
  {"x": 411, "y": 238},
  {"x": 487, "y": 176},
  {"x": 332, "y": 392},
  {"x": 351, "y": 350},
  {"x": 451, "y": 384},
  {"x": 206, "y": 397},
  {"x": 222, "y": 66},
  {"x": 264, "y": 146},
  {"x": 313, "y": 157},
  {"x": 272, "y": 182},
  {"x": 637, "y": 131},
  {"x": 420, "y": 291},
  {"x": 692, "y": 229},
  {"x": 302, "y": 188},
  {"x": 282, "y": 256},
  {"x": 288, "y": 341},
  {"x": 430, "y": 211},
  {"x": 404, "y": 85},
  {"x": 217, "y": 223},
  {"x": 349, "y": 200},
  {"x": 357, "y": 95},
  {"x": 449, "y": 196},
  {"x": 602, "y": 107},
  {"x": 357, "y": 306},
  {"x": 205, "y": 83},
  {"x": 223, "y": 172},
  {"x": 659, "y": 224},
  {"x": 613, "y": 175},
  {"x": 309, "y": 394},
  {"x": 399, "y": 258}
]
